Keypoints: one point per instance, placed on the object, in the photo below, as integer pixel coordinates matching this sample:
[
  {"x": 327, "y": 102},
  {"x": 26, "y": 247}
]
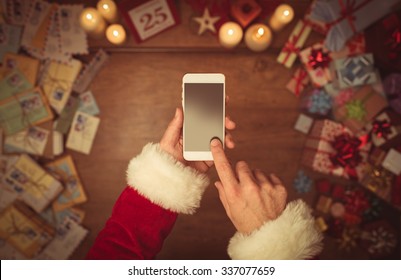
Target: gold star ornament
[{"x": 206, "y": 22}]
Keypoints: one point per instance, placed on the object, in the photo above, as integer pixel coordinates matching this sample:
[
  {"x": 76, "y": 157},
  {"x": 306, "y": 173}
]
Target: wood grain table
[{"x": 138, "y": 91}]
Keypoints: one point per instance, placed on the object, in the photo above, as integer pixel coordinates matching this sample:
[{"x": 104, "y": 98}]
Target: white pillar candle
[
  {"x": 230, "y": 34},
  {"x": 282, "y": 16},
  {"x": 258, "y": 37},
  {"x": 92, "y": 22},
  {"x": 115, "y": 33},
  {"x": 108, "y": 10}
]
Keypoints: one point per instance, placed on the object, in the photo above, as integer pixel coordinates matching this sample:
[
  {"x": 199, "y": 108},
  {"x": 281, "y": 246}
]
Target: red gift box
[{"x": 332, "y": 149}]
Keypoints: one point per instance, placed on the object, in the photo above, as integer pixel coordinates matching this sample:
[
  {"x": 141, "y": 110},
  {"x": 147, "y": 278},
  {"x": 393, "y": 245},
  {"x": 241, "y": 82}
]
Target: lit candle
[
  {"x": 230, "y": 34},
  {"x": 258, "y": 37},
  {"x": 92, "y": 22},
  {"x": 108, "y": 10},
  {"x": 115, "y": 33},
  {"x": 281, "y": 17}
]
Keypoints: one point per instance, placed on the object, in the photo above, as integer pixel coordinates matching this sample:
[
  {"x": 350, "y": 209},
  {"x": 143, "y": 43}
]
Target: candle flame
[
  {"x": 89, "y": 16},
  {"x": 105, "y": 6},
  {"x": 260, "y": 32},
  {"x": 230, "y": 32},
  {"x": 286, "y": 13},
  {"x": 115, "y": 33}
]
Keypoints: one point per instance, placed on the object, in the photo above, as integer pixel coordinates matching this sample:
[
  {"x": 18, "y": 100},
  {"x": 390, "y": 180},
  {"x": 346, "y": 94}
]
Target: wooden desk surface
[{"x": 137, "y": 93}]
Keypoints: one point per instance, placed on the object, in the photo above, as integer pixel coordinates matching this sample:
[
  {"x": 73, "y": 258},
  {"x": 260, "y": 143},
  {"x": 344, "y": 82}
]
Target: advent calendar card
[{"x": 148, "y": 18}]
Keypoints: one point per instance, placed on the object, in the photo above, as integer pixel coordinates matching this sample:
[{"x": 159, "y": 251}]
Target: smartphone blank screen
[{"x": 204, "y": 117}]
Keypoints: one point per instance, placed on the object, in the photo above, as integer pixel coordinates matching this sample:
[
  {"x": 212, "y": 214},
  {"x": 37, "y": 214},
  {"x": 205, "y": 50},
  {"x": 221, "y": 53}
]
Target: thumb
[{"x": 173, "y": 132}]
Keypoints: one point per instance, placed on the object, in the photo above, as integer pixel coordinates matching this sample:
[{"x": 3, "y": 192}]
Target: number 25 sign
[{"x": 148, "y": 18}]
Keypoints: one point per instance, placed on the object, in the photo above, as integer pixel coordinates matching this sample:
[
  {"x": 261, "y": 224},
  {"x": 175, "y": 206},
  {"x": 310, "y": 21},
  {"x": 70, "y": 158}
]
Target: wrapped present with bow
[
  {"x": 360, "y": 110},
  {"x": 25, "y": 230},
  {"x": 345, "y": 18},
  {"x": 295, "y": 42},
  {"x": 298, "y": 82},
  {"x": 317, "y": 61},
  {"x": 379, "y": 239},
  {"x": 35, "y": 186},
  {"x": 354, "y": 71},
  {"x": 392, "y": 87},
  {"x": 382, "y": 129},
  {"x": 383, "y": 39},
  {"x": 379, "y": 181},
  {"x": 332, "y": 149}
]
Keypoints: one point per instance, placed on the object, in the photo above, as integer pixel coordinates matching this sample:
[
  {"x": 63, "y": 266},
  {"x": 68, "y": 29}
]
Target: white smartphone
[{"x": 203, "y": 100}]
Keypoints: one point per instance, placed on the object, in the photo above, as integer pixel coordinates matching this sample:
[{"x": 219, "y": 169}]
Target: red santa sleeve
[{"x": 158, "y": 189}]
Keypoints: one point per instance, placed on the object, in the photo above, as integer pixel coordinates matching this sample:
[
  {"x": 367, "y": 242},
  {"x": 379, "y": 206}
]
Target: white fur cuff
[
  {"x": 166, "y": 182},
  {"x": 292, "y": 236}
]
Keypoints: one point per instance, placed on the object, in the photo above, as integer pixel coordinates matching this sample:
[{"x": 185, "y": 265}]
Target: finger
[
  {"x": 222, "y": 196},
  {"x": 223, "y": 167},
  {"x": 173, "y": 131},
  {"x": 229, "y": 141},
  {"x": 227, "y": 99},
  {"x": 245, "y": 175},
  {"x": 275, "y": 180},
  {"x": 261, "y": 177},
  {"x": 230, "y": 124}
]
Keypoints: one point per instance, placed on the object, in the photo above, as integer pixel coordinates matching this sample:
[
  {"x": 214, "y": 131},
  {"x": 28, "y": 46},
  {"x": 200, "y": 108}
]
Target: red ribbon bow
[
  {"x": 347, "y": 153},
  {"x": 381, "y": 129},
  {"x": 290, "y": 47},
  {"x": 319, "y": 58}
]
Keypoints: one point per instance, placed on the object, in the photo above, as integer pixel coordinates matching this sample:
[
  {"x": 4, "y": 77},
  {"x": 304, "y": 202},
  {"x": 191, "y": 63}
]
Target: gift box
[
  {"x": 379, "y": 181},
  {"x": 317, "y": 101},
  {"x": 354, "y": 71},
  {"x": 33, "y": 185},
  {"x": 365, "y": 104},
  {"x": 303, "y": 123},
  {"x": 292, "y": 47},
  {"x": 382, "y": 129},
  {"x": 317, "y": 25},
  {"x": 383, "y": 39},
  {"x": 392, "y": 162},
  {"x": 332, "y": 149},
  {"x": 323, "y": 204},
  {"x": 24, "y": 229},
  {"x": 317, "y": 61},
  {"x": 339, "y": 96},
  {"x": 344, "y": 19},
  {"x": 392, "y": 87},
  {"x": 298, "y": 82},
  {"x": 355, "y": 46}
]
